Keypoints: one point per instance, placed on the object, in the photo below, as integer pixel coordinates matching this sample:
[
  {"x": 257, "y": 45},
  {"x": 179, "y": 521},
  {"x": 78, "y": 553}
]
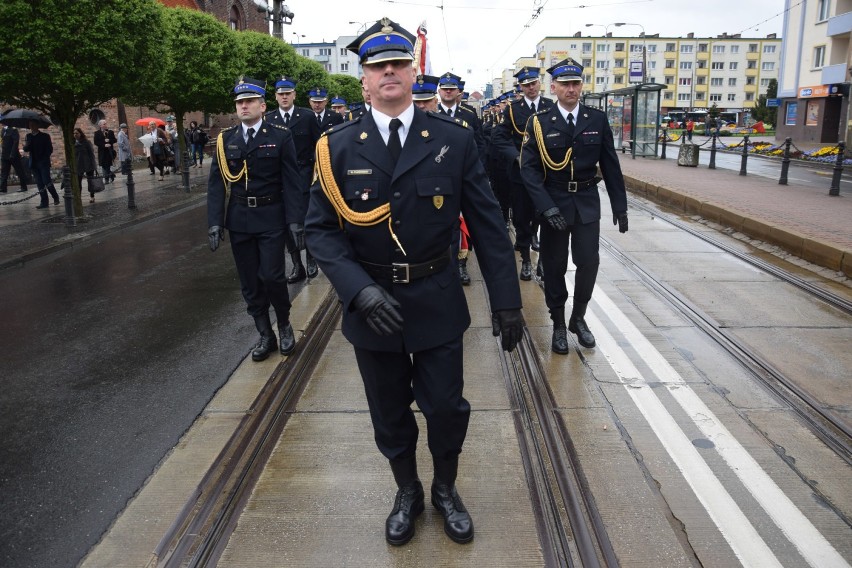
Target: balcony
[
  {"x": 703, "y": 87},
  {"x": 752, "y": 56},
  {"x": 840, "y": 24},
  {"x": 750, "y": 88},
  {"x": 619, "y": 54},
  {"x": 751, "y": 72},
  {"x": 702, "y": 72},
  {"x": 321, "y": 58},
  {"x": 833, "y": 73},
  {"x": 702, "y": 55}
]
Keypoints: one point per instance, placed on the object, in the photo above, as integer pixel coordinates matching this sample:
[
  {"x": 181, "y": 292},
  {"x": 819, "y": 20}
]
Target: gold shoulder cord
[
  {"x": 332, "y": 192},
  {"x": 514, "y": 124},
  {"x": 227, "y": 177},
  {"x": 545, "y": 157}
]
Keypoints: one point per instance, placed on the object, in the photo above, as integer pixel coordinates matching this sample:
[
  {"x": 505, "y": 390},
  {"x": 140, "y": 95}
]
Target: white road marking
[{"x": 743, "y": 538}]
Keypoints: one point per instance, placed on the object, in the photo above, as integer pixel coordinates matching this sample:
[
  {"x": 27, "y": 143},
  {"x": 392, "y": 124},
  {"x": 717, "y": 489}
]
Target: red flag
[{"x": 421, "y": 53}]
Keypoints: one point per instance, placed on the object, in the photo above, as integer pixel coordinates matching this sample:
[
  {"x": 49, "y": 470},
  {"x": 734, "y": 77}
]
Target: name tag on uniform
[
  {"x": 359, "y": 172},
  {"x": 233, "y": 147},
  {"x": 590, "y": 132},
  {"x": 552, "y": 134}
]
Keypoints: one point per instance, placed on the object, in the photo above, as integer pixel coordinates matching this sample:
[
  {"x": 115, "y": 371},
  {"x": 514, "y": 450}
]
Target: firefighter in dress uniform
[
  {"x": 390, "y": 188},
  {"x": 256, "y": 162},
  {"x": 563, "y": 148}
]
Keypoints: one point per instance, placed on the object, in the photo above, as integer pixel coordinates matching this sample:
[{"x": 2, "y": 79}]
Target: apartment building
[
  {"x": 333, "y": 56},
  {"x": 813, "y": 85}
]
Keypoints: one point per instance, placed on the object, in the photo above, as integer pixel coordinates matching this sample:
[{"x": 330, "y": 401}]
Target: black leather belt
[
  {"x": 403, "y": 273},
  {"x": 575, "y": 186},
  {"x": 254, "y": 201}
]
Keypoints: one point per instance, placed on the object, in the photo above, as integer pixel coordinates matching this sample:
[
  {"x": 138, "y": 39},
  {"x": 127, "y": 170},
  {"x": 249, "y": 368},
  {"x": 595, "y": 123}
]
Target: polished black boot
[
  {"x": 457, "y": 522},
  {"x": 559, "y": 341},
  {"x": 298, "y": 273},
  {"x": 463, "y": 275},
  {"x": 288, "y": 339},
  {"x": 312, "y": 268},
  {"x": 399, "y": 526},
  {"x": 539, "y": 270},
  {"x": 534, "y": 244},
  {"x": 577, "y": 324},
  {"x": 267, "y": 342},
  {"x": 44, "y": 203},
  {"x": 526, "y": 270}
]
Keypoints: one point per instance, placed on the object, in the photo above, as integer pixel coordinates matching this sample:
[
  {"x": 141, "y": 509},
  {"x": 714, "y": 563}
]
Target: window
[
  {"x": 751, "y": 65},
  {"x": 735, "y": 49},
  {"x": 325, "y": 51},
  {"x": 702, "y": 48},
  {"x": 686, "y": 65},
  {"x": 717, "y": 65},
  {"x": 699, "y": 96},
  {"x": 587, "y": 48},
  {"x": 701, "y": 64},
  {"x": 749, "y": 96},
  {"x": 636, "y": 48},
  {"x": 731, "y": 97},
  {"x": 669, "y": 79},
  {"x": 716, "y": 81},
  {"x": 306, "y": 53},
  {"x": 819, "y": 56},
  {"x": 619, "y": 63},
  {"x": 686, "y": 48},
  {"x": 573, "y": 46},
  {"x": 714, "y": 98},
  {"x": 749, "y": 80},
  {"x": 768, "y": 49},
  {"x": 767, "y": 66},
  {"x": 765, "y": 82},
  {"x": 668, "y": 96},
  {"x": 603, "y": 47},
  {"x": 718, "y": 49},
  {"x": 652, "y": 48},
  {"x": 344, "y": 52},
  {"x": 619, "y": 46},
  {"x": 587, "y": 78},
  {"x": 670, "y": 63},
  {"x": 602, "y": 64},
  {"x": 235, "y": 19},
  {"x": 732, "y": 65},
  {"x": 670, "y": 47},
  {"x": 587, "y": 63},
  {"x": 652, "y": 65},
  {"x": 790, "y": 115},
  {"x": 752, "y": 48},
  {"x": 651, "y": 79},
  {"x": 684, "y": 97},
  {"x": 344, "y": 67},
  {"x": 684, "y": 82},
  {"x": 600, "y": 80},
  {"x": 822, "y": 10},
  {"x": 619, "y": 79},
  {"x": 732, "y": 82},
  {"x": 327, "y": 67},
  {"x": 701, "y": 80}
]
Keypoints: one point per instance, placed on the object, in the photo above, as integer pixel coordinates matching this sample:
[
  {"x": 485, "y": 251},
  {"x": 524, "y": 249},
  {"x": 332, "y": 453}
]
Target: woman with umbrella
[
  {"x": 86, "y": 163},
  {"x": 40, "y": 147}
]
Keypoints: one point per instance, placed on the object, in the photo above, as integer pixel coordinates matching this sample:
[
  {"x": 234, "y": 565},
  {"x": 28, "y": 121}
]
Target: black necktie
[
  {"x": 250, "y": 135},
  {"x": 450, "y": 112},
  {"x": 319, "y": 120},
  {"x": 532, "y": 107},
  {"x": 394, "y": 143},
  {"x": 286, "y": 119},
  {"x": 570, "y": 125}
]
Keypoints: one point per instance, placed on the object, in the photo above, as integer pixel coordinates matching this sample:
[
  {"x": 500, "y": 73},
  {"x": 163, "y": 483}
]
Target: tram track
[{"x": 817, "y": 415}]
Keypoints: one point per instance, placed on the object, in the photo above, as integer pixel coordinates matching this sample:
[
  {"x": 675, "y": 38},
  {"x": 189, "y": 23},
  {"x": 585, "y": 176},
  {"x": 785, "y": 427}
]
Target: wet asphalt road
[{"x": 110, "y": 352}]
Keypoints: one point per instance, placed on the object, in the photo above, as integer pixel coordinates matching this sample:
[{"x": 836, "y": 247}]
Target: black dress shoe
[
  {"x": 312, "y": 269},
  {"x": 298, "y": 274},
  {"x": 457, "y": 522},
  {"x": 264, "y": 347},
  {"x": 288, "y": 340},
  {"x": 534, "y": 243},
  {"x": 526, "y": 270},
  {"x": 559, "y": 341},
  {"x": 584, "y": 334},
  {"x": 399, "y": 526},
  {"x": 42, "y": 206}
]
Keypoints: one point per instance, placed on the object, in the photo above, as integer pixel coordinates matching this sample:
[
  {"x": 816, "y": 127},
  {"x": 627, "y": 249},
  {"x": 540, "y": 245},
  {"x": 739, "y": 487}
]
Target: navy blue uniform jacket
[
  {"x": 271, "y": 160},
  {"x": 509, "y": 134},
  {"x": 592, "y": 147},
  {"x": 437, "y": 176},
  {"x": 305, "y": 130}
]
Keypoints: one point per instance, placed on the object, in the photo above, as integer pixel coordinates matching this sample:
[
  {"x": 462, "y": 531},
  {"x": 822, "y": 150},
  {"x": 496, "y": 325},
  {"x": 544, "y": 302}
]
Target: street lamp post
[
  {"x": 606, "y": 35},
  {"x": 278, "y": 13},
  {"x": 644, "y": 50}
]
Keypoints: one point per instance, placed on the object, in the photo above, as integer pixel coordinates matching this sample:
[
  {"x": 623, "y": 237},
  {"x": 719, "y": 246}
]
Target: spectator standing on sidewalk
[
  {"x": 197, "y": 139},
  {"x": 84, "y": 154},
  {"x": 125, "y": 152},
  {"x": 155, "y": 150},
  {"x": 10, "y": 156},
  {"x": 690, "y": 127},
  {"x": 40, "y": 147},
  {"x": 171, "y": 130},
  {"x": 105, "y": 140}
]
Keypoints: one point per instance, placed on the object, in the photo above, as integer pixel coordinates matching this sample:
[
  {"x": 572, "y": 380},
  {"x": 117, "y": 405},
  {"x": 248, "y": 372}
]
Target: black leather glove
[
  {"x": 215, "y": 235},
  {"x": 509, "y": 324},
  {"x": 380, "y": 309},
  {"x": 620, "y": 219},
  {"x": 555, "y": 219},
  {"x": 297, "y": 232}
]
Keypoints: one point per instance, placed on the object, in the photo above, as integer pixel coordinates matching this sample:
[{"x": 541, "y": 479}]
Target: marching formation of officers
[{"x": 387, "y": 203}]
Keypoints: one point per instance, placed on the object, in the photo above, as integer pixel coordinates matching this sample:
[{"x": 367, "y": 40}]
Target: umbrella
[
  {"x": 147, "y": 119},
  {"x": 21, "y": 118}
]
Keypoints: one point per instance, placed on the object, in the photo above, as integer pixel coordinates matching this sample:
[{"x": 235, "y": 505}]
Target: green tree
[
  {"x": 346, "y": 87},
  {"x": 202, "y": 61},
  {"x": 267, "y": 58},
  {"x": 309, "y": 74},
  {"x": 63, "y": 57}
]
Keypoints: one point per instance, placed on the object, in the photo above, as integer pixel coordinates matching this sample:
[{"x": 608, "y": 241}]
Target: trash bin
[{"x": 688, "y": 155}]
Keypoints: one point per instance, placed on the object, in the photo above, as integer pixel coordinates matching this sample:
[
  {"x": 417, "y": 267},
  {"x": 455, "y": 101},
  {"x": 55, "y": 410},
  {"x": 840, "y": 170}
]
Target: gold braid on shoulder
[
  {"x": 546, "y": 160},
  {"x": 332, "y": 192},
  {"x": 227, "y": 177},
  {"x": 514, "y": 124}
]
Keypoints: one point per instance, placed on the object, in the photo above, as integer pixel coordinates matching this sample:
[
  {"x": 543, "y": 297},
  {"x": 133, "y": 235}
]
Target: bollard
[
  {"x": 131, "y": 185},
  {"x": 68, "y": 196},
  {"x": 838, "y": 170},
  {"x": 184, "y": 171},
  {"x": 785, "y": 162},
  {"x": 712, "y": 165},
  {"x": 663, "y": 152},
  {"x": 745, "y": 156}
]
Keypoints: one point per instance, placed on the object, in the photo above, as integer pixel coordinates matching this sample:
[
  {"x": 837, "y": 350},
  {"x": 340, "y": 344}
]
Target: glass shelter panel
[{"x": 646, "y": 110}]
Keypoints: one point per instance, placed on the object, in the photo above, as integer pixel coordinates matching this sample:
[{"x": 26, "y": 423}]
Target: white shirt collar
[
  {"x": 453, "y": 108},
  {"x": 291, "y": 112},
  {"x": 565, "y": 113},
  {"x": 383, "y": 123},
  {"x": 256, "y": 127},
  {"x": 536, "y": 101}
]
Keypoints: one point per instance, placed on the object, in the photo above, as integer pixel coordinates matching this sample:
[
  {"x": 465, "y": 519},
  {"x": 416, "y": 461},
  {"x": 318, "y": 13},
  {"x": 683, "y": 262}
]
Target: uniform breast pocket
[
  {"x": 267, "y": 152},
  {"x": 435, "y": 203},
  {"x": 593, "y": 139},
  {"x": 362, "y": 194},
  {"x": 235, "y": 157}
]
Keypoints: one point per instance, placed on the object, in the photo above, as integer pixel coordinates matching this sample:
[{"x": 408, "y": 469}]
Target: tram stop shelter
[{"x": 633, "y": 114}]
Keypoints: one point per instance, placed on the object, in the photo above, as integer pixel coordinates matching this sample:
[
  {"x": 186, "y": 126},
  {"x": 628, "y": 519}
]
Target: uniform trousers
[
  {"x": 583, "y": 240},
  {"x": 263, "y": 276},
  {"x": 433, "y": 378},
  {"x": 522, "y": 214},
  {"x": 306, "y": 172}
]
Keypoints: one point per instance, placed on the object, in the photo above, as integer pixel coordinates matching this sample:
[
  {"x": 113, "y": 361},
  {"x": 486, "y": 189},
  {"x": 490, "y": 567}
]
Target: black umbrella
[{"x": 21, "y": 118}]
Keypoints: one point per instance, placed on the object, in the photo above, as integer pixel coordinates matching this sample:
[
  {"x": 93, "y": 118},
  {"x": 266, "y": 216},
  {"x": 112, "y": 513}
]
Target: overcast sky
[{"x": 477, "y": 38}]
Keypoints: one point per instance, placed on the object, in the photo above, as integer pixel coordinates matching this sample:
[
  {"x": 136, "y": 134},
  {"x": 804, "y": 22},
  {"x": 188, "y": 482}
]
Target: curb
[{"x": 821, "y": 253}]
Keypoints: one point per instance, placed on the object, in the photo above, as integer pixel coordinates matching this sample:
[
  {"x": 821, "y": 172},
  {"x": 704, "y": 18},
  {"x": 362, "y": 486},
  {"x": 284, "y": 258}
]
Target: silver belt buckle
[
  {"x": 572, "y": 187},
  {"x": 397, "y": 279},
  {"x": 252, "y": 201}
]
